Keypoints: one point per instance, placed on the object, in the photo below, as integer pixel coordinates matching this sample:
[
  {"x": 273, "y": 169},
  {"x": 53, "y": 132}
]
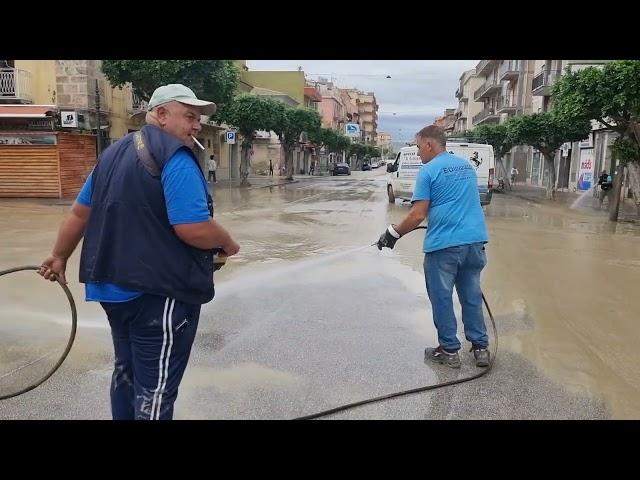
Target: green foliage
[
  {"x": 249, "y": 113},
  {"x": 296, "y": 121},
  {"x": 496, "y": 135},
  {"x": 546, "y": 131},
  {"x": 213, "y": 80},
  {"x": 610, "y": 94}
]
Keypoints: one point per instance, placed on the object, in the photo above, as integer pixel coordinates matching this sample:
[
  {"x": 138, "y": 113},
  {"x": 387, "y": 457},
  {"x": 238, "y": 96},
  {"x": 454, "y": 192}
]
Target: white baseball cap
[{"x": 176, "y": 92}]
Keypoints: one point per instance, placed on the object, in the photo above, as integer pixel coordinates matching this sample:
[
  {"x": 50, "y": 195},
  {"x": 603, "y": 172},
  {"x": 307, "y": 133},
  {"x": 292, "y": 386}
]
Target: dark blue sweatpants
[{"x": 152, "y": 338}]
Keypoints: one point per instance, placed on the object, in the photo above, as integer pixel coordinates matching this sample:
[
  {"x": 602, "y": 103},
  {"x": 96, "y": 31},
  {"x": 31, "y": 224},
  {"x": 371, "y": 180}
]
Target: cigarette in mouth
[{"x": 197, "y": 142}]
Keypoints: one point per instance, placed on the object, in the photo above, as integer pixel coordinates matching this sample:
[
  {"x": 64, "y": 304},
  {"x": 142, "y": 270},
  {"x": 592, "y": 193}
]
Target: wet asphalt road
[{"x": 310, "y": 316}]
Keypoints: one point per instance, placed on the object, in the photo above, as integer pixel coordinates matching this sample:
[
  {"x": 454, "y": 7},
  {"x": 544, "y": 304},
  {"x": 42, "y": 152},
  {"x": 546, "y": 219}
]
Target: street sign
[
  {"x": 69, "y": 119},
  {"x": 231, "y": 137},
  {"x": 352, "y": 130}
]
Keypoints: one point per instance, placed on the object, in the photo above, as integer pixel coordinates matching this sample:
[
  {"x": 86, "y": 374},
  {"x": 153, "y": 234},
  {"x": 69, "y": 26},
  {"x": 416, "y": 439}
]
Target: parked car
[
  {"x": 374, "y": 164},
  {"x": 341, "y": 169},
  {"x": 366, "y": 166}
]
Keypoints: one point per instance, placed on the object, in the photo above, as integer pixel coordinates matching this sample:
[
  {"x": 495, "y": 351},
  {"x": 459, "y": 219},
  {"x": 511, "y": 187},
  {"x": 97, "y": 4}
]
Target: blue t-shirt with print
[
  {"x": 185, "y": 194},
  {"x": 455, "y": 215}
]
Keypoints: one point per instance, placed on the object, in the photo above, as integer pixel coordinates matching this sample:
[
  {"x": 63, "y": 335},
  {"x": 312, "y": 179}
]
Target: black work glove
[{"x": 388, "y": 239}]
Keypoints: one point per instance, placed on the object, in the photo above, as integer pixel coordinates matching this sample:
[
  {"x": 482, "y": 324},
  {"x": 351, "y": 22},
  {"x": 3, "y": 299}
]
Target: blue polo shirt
[{"x": 455, "y": 218}]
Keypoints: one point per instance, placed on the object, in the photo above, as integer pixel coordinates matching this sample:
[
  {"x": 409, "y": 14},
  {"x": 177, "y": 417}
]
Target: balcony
[
  {"x": 487, "y": 89},
  {"x": 543, "y": 82},
  {"x": 486, "y": 115},
  {"x": 137, "y": 104},
  {"x": 506, "y": 104},
  {"x": 15, "y": 86},
  {"x": 461, "y": 115},
  {"x": 509, "y": 70},
  {"x": 461, "y": 95},
  {"x": 485, "y": 66}
]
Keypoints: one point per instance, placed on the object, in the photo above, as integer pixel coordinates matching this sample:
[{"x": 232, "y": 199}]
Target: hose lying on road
[
  {"x": 72, "y": 336},
  {"x": 419, "y": 389}
]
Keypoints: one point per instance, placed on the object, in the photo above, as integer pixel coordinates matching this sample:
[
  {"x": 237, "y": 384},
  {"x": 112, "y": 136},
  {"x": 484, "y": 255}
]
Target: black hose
[
  {"x": 74, "y": 325},
  {"x": 419, "y": 389}
]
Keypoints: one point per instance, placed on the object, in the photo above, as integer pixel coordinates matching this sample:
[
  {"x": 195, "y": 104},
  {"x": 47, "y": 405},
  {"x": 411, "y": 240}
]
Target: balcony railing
[
  {"x": 486, "y": 89},
  {"x": 509, "y": 70},
  {"x": 462, "y": 95},
  {"x": 15, "y": 84},
  {"x": 488, "y": 114},
  {"x": 506, "y": 104},
  {"x": 542, "y": 83},
  {"x": 484, "y": 66}
]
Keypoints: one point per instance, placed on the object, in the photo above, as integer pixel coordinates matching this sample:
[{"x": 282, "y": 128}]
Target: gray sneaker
[
  {"x": 482, "y": 356},
  {"x": 438, "y": 355}
]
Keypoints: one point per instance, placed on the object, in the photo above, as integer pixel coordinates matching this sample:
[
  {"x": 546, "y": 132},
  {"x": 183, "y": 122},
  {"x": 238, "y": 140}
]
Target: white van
[{"x": 403, "y": 172}]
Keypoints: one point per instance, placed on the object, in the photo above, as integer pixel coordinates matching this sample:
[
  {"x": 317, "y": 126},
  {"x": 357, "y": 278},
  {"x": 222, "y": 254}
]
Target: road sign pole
[{"x": 230, "y": 137}]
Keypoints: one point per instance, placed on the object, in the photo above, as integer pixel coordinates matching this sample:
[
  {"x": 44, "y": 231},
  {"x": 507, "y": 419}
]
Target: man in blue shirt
[
  {"x": 147, "y": 254},
  {"x": 447, "y": 192}
]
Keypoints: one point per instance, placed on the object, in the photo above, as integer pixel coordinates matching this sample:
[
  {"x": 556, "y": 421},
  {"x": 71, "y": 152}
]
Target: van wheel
[{"x": 392, "y": 197}]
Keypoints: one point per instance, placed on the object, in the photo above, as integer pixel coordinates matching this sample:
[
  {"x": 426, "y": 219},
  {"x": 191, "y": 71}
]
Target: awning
[{"x": 27, "y": 111}]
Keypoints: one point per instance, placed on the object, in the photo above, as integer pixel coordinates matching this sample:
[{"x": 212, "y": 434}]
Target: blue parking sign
[{"x": 231, "y": 136}]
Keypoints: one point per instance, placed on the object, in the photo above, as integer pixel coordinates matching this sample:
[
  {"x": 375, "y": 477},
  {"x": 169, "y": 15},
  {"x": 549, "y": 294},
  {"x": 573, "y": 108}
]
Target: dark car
[
  {"x": 366, "y": 166},
  {"x": 341, "y": 169}
]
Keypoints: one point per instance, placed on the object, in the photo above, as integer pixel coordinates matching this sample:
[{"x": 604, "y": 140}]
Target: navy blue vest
[{"x": 128, "y": 240}]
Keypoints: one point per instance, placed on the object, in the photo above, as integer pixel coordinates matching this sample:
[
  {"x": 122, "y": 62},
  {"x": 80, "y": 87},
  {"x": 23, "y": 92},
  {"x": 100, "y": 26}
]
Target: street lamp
[{"x": 98, "y": 133}]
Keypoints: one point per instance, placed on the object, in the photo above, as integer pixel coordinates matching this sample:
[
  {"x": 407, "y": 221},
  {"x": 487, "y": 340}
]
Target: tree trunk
[
  {"x": 505, "y": 175},
  {"x": 633, "y": 169},
  {"x": 614, "y": 205},
  {"x": 288, "y": 155},
  {"x": 551, "y": 181},
  {"x": 244, "y": 165}
]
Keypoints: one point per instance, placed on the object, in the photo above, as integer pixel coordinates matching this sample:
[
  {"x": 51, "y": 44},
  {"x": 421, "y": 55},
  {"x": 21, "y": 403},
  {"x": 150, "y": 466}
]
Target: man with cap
[{"x": 147, "y": 255}]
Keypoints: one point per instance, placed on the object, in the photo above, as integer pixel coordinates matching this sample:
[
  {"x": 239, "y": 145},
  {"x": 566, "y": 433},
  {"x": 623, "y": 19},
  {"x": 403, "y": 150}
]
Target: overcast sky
[{"x": 417, "y": 92}]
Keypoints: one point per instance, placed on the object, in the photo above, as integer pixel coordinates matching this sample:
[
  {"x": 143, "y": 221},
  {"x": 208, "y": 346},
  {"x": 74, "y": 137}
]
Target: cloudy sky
[{"x": 417, "y": 92}]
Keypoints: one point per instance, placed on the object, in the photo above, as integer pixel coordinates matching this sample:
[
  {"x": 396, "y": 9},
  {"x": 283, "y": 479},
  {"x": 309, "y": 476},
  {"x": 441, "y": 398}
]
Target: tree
[
  {"x": 324, "y": 137},
  {"x": 296, "y": 121},
  {"x": 611, "y": 96},
  {"x": 498, "y": 136},
  {"x": 342, "y": 144},
  {"x": 357, "y": 149},
  {"x": 249, "y": 113},
  {"x": 213, "y": 80},
  {"x": 372, "y": 151},
  {"x": 333, "y": 141},
  {"x": 547, "y": 132}
]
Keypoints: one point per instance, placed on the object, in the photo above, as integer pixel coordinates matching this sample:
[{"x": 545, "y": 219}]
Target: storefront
[{"x": 36, "y": 159}]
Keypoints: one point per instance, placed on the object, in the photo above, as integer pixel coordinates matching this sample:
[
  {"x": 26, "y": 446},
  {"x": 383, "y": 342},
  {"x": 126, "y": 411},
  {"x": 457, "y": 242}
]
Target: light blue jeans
[{"x": 459, "y": 266}]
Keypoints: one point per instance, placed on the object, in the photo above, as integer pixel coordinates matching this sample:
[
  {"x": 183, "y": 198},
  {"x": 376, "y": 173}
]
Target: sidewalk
[{"x": 537, "y": 194}]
